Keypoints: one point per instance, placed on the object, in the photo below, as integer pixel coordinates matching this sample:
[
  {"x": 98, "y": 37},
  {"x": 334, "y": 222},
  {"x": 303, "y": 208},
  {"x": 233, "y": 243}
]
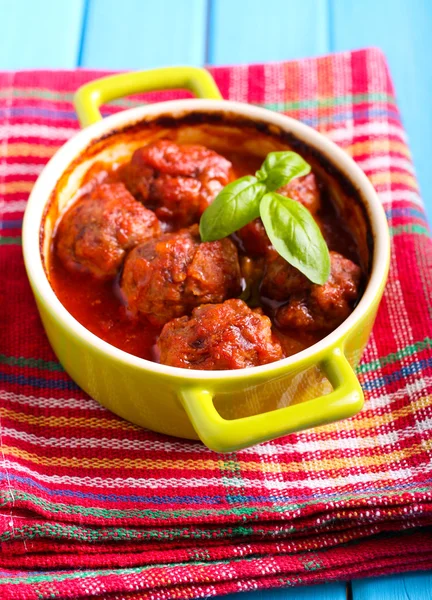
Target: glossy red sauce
[{"x": 100, "y": 308}]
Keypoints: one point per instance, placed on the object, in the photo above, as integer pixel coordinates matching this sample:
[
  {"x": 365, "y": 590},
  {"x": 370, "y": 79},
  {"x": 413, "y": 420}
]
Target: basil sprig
[
  {"x": 234, "y": 207},
  {"x": 290, "y": 226},
  {"x": 280, "y": 167}
]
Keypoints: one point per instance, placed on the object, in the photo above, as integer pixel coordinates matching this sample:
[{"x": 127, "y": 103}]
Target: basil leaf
[
  {"x": 234, "y": 207},
  {"x": 280, "y": 167},
  {"x": 296, "y": 236}
]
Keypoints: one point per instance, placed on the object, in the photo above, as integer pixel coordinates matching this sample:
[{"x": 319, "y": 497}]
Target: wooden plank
[
  {"x": 137, "y": 35},
  {"x": 40, "y": 33},
  {"x": 259, "y": 31},
  {"x": 402, "y": 30},
  {"x": 414, "y": 586},
  {"x": 328, "y": 591}
]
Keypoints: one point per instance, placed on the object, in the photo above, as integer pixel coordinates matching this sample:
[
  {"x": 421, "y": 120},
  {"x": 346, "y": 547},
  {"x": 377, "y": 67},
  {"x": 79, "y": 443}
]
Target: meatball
[
  {"x": 304, "y": 190},
  {"x": 179, "y": 182},
  {"x": 253, "y": 237},
  {"x": 95, "y": 233},
  {"x": 281, "y": 279},
  {"x": 219, "y": 336},
  {"x": 167, "y": 277},
  {"x": 312, "y": 307}
]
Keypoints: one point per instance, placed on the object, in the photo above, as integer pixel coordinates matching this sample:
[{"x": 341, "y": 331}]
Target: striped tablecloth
[{"x": 93, "y": 506}]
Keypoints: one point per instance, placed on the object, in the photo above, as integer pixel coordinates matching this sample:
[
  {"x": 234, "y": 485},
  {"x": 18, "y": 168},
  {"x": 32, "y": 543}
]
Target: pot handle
[
  {"x": 91, "y": 96},
  {"x": 223, "y": 435}
]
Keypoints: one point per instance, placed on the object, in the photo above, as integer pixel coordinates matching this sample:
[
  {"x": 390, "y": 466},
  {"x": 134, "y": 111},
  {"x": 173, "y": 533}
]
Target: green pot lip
[{"x": 65, "y": 155}]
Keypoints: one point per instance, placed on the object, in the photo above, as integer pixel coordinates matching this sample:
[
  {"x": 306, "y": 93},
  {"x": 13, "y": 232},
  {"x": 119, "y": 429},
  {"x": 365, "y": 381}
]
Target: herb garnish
[{"x": 290, "y": 226}]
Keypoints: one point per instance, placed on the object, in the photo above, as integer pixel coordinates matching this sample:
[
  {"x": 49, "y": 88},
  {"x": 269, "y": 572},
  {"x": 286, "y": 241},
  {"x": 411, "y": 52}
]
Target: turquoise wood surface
[
  {"x": 266, "y": 31},
  {"x": 40, "y": 33},
  {"x": 138, "y": 34},
  {"x": 328, "y": 591},
  {"x": 148, "y": 34},
  {"x": 413, "y": 586}
]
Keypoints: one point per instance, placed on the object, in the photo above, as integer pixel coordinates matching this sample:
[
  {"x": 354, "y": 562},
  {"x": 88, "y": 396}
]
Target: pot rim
[{"x": 51, "y": 173}]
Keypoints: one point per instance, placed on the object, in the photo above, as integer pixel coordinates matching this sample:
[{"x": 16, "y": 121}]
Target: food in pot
[
  {"x": 253, "y": 236},
  {"x": 128, "y": 263},
  {"x": 219, "y": 336},
  {"x": 254, "y": 239},
  {"x": 304, "y": 190},
  {"x": 96, "y": 231},
  {"x": 177, "y": 182},
  {"x": 167, "y": 277},
  {"x": 305, "y": 305}
]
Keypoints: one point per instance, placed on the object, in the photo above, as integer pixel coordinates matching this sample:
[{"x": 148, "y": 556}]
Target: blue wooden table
[{"x": 138, "y": 34}]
